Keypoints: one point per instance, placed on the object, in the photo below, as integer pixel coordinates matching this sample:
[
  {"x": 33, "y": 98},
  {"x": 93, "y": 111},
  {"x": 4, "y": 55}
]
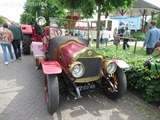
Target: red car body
[{"x": 71, "y": 66}]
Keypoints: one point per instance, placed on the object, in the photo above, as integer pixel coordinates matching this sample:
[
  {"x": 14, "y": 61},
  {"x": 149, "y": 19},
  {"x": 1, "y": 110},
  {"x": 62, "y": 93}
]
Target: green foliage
[
  {"x": 144, "y": 80},
  {"x": 158, "y": 20},
  {"x": 27, "y": 18},
  {"x": 52, "y": 8},
  {"x": 1, "y": 20},
  {"x": 147, "y": 82},
  {"x": 140, "y": 36},
  {"x": 88, "y": 7}
]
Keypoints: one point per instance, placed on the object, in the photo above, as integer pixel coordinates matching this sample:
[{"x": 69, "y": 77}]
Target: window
[{"x": 109, "y": 25}]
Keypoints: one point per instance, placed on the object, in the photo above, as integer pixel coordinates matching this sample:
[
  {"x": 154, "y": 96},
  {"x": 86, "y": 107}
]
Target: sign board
[{"x": 134, "y": 23}]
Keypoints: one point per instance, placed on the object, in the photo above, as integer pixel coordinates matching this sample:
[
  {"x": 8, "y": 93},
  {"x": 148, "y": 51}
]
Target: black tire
[
  {"x": 53, "y": 93},
  {"x": 26, "y": 45},
  {"x": 122, "y": 85}
]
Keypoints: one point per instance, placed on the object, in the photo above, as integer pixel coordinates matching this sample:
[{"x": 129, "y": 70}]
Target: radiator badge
[{"x": 89, "y": 53}]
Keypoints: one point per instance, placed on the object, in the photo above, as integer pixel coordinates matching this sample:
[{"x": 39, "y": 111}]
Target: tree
[
  {"x": 27, "y": 18},
  {"x": 54, "y": 9},
  {"x": 87, "y": 7},
  {"x": 1, "y": 20},
  {"x": 32, "y": 9},
  {"x": 158, "y": 20}
]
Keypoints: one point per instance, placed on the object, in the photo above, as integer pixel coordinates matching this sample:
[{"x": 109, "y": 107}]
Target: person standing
[
  {"x": 106, "y": 36},
  {"x": 82, "y": 33},
  {"x": 122, "y": 31},
  {"x": 152, "y": 37},
  {"x": 6, "y": 37},
  {"x": 18, "y": 36},
  {"x": 63, "y": 31},
  {"x": 116, "y": 37},
  {"x": 127, "y": 35}
]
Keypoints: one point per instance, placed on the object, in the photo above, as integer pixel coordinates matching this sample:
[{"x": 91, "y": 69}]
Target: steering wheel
[
  {"x": 55, "y": 32},
  {"x": 59, "y": 32}
]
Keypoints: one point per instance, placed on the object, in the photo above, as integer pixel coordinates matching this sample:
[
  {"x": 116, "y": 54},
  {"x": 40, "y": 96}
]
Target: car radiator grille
[{"x": 92, "y": 66}]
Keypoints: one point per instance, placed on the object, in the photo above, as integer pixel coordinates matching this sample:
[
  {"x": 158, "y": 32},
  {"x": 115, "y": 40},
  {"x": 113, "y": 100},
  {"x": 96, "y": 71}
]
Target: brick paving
[{"x": 22, "y": 98}]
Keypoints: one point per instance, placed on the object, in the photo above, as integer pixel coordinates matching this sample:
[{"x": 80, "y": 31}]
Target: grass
[
  {"x": 139, "y": 51},
  {"x": 112, "y": 51}
]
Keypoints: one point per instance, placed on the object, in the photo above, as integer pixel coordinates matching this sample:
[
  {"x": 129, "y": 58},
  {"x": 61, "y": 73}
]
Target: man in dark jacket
[{"x": 18, "y": 36}]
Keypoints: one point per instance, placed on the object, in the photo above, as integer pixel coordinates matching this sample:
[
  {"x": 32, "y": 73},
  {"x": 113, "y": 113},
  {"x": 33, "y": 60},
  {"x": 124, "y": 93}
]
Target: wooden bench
[{"x": 131, "y": 39}]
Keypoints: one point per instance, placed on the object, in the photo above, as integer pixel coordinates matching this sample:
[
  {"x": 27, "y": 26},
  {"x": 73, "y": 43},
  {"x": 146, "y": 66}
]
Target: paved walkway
[{"x": 22, "y": 98}]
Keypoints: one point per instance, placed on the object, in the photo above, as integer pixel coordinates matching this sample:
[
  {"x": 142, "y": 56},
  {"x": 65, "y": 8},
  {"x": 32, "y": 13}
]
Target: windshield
[{"x": 69, "y": 27}]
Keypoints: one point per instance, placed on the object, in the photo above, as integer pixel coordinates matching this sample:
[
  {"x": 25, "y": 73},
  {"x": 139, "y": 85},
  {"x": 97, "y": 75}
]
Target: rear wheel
[
  {"x": 119, "y": 81},
  {"x": 52, "y": 93},
  {"x": 26, "y": 45}
]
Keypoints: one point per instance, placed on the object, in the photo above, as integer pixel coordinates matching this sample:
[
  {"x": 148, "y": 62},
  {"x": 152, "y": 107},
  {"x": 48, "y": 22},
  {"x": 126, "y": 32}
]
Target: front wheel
[
  {"x": 119, "y": 81},
  {"x": 52, "y": 93},
  {"x": 26, "y": 45}
]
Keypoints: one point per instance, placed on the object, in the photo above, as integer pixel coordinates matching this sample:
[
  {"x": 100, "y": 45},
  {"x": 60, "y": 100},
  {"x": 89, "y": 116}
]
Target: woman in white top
[{"x": 106, "y": 36}]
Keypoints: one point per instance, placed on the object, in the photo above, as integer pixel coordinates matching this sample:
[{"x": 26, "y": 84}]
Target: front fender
[
  {"x": 51, "y": 67},
  {"x": 26, "y": 29},
  {"x": 121, "y": 63}
]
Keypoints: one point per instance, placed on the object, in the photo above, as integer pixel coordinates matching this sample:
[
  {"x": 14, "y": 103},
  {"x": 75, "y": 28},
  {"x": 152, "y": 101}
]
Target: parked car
[{"x": 71, "y": 67}]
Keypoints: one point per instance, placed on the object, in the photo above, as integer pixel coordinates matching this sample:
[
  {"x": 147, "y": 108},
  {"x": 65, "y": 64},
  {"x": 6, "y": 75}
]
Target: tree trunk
[{"x": 98, "y": 25}]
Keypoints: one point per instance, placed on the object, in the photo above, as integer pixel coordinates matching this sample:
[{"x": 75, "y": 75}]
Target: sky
[{"x": 12, "y": 9}]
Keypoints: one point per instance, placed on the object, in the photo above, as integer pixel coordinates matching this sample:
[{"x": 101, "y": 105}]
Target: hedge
[
  {"x": 139, "y": 78},
  {"x": 140, "y": 36}
]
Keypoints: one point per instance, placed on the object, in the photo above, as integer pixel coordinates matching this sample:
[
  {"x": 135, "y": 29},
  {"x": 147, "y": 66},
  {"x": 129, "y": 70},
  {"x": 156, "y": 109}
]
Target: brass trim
[
  {"x": 81, "y": 54},
  {"x": 106, "y": 65},
  {"x": 71, "y": 68},
  {"x": 89, "y": 79},
  {"x": 84, "y": 54},
  {"x": 41, "y": 18}
]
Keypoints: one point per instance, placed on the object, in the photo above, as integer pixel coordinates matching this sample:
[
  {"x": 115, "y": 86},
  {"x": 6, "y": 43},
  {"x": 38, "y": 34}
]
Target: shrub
[
  {"x": 147, "y": 82},
  {"x": 144, "y": 80},
  {"x": 158, "y": 20},
  {"x": 1, "y": 20},
  {"x": 140, "y": 36}
]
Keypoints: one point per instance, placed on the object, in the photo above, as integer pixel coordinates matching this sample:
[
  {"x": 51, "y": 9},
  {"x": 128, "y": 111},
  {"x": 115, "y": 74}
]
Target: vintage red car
[{"x": 71, "y": 67}]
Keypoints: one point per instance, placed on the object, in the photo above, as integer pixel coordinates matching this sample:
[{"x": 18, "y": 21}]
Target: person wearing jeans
[
  {"x": 152, "y": 37},
  {"x": 17, "y": 49},
  {"x": 18, "y": 36},
  {"x": 6, "y": 39},
  {"x": 9, "y": 46},
  {"x": 106, "y": 36}
]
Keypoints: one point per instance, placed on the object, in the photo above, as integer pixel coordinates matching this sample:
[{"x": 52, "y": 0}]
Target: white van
[{"x": 108, "y": 23}]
